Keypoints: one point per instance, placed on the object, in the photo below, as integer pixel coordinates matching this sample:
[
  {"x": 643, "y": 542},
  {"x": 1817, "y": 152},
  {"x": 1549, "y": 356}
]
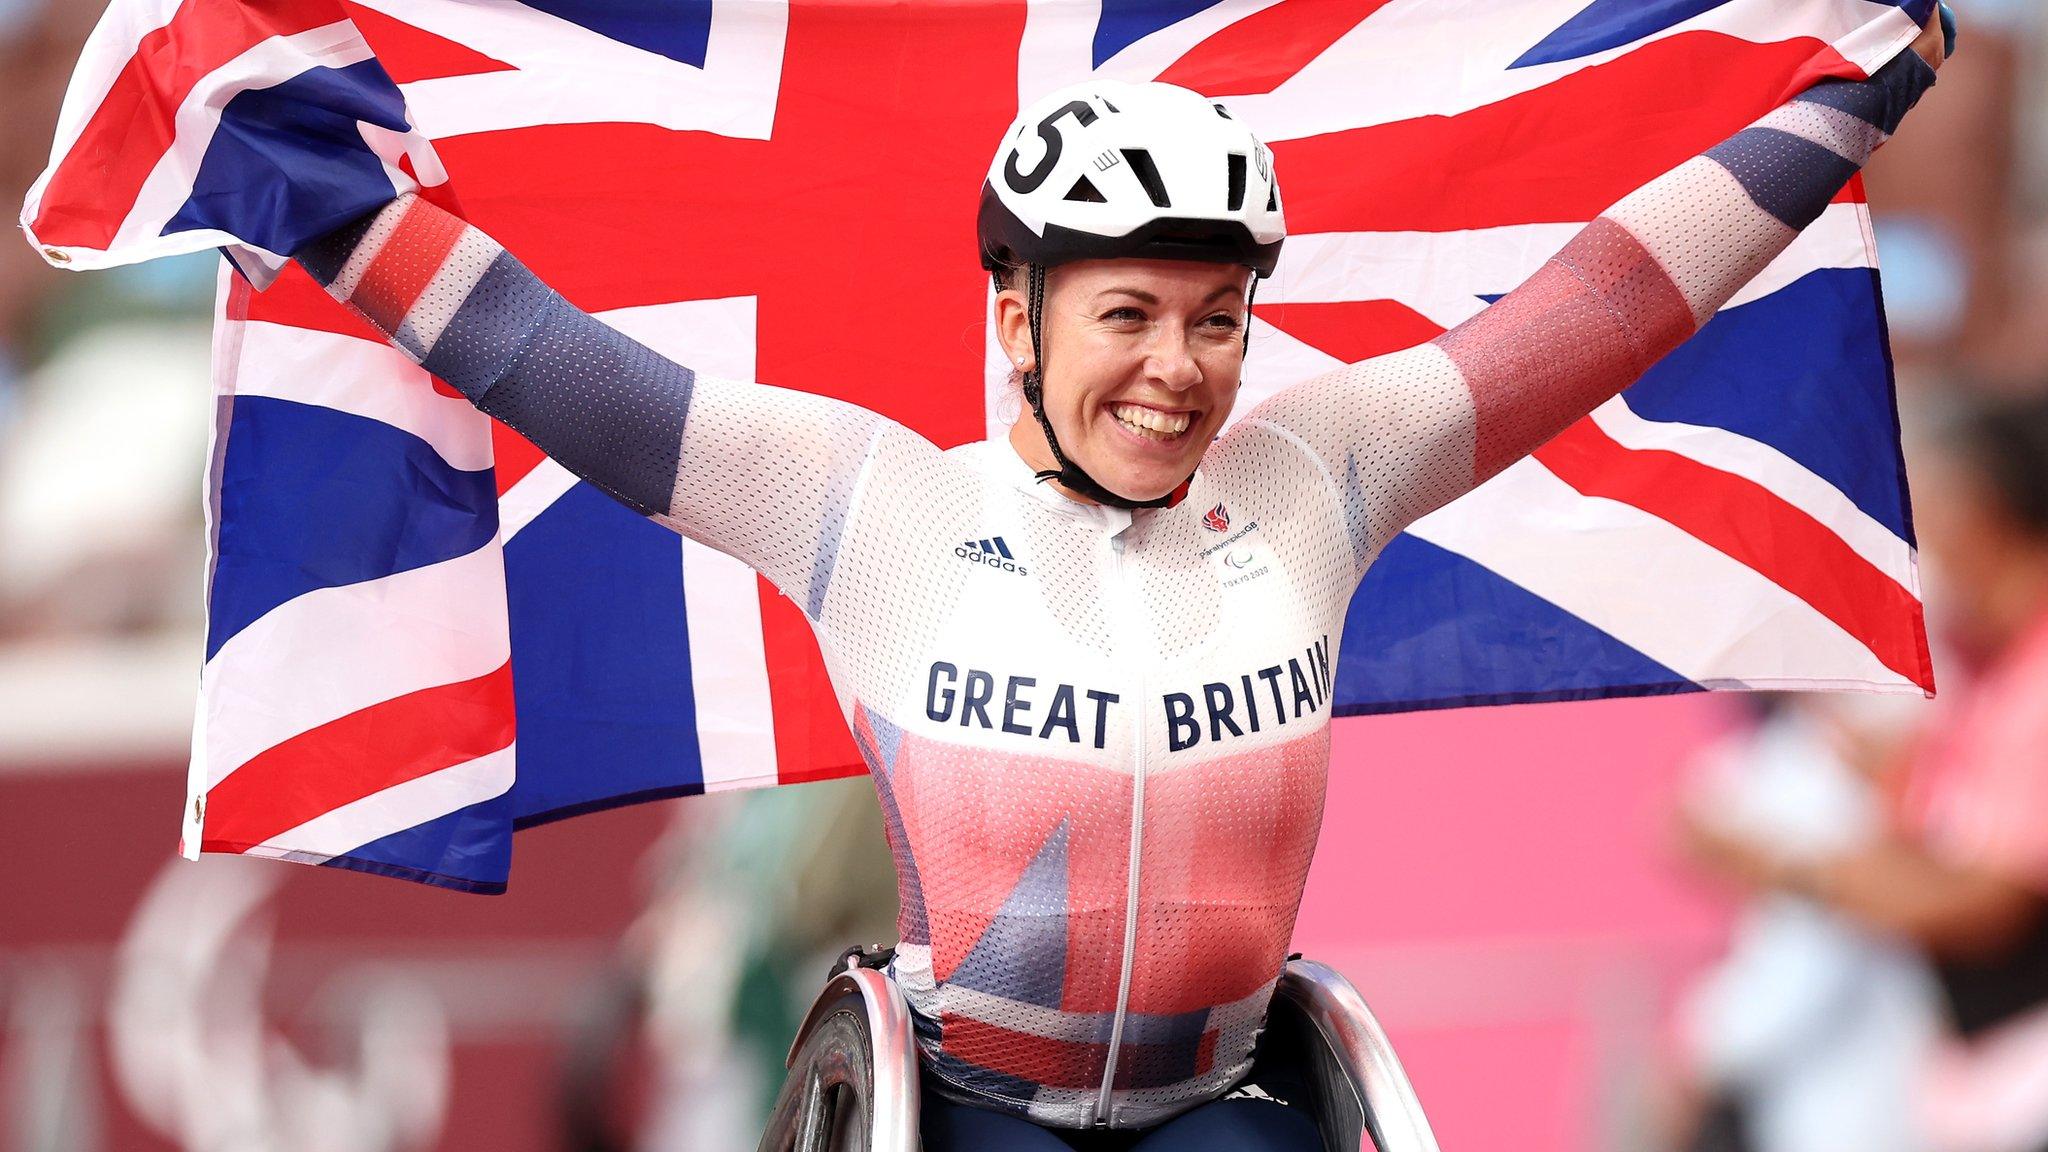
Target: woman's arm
[
  {"x": 764, "y": 474},
  {"x": 1423, "y": 426}
]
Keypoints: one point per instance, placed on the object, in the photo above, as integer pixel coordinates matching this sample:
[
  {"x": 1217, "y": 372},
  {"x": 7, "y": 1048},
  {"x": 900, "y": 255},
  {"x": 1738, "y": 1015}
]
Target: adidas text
[{"x": 991, "y": 553}]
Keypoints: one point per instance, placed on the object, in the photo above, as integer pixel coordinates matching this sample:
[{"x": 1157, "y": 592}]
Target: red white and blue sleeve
[
  {"x": 764, "y": 474},
  {"x": 1403, "y": 434}
]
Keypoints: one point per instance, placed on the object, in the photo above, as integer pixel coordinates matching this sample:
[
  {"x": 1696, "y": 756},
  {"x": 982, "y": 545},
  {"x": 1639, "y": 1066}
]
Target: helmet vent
[
  {"x": 1236, "y": 162},
  {"x": 1148, "y": 174},
  {"x": 1273, "y": 198},
  {"x": 1085, "y": 192},
  {"x": 1221, "y": 111}
]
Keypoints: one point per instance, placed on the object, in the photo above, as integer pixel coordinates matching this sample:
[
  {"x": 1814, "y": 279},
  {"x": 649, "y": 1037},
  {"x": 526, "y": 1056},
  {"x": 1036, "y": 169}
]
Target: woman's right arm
[{"x": 764, "y": 474}]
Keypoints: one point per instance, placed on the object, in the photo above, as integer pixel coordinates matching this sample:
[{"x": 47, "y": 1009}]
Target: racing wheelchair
[{"x": 853, "y": 1075}]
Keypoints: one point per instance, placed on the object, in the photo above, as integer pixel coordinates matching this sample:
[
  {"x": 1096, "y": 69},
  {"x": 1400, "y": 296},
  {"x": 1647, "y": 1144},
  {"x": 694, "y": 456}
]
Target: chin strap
[{"x": 1069, "y": 474}]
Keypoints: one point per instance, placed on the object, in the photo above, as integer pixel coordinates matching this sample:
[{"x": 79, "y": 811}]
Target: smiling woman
[{"x": 1075, "y": 697}]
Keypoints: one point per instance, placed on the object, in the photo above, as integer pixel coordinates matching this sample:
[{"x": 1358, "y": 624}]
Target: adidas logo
[{"x": 991, "y": 553}]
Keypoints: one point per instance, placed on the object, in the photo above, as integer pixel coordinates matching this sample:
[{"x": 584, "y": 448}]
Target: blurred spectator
[
  {"x": 1963, "y": 872},
  {"x": 104, "y": 398},
  {"x": 1808, "y": 1035},
  {"x": 99, "y": 489},
  {"x": 39, "y": 42},
  {"x": 1960, "y": 203},
  {"x": 753, "y": 895}
]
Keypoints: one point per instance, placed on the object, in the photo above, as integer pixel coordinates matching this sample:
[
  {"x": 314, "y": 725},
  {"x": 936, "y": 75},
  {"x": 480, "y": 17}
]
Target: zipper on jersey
[{"x": 1135, "y": 619}]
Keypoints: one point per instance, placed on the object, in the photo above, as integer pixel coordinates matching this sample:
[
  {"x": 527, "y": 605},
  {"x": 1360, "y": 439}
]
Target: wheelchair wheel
[{"x": 823, "y": 1105}]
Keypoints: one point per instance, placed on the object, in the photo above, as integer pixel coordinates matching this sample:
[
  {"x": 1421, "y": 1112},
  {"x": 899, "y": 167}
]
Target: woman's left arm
[{"x": 1435, "y": 421}]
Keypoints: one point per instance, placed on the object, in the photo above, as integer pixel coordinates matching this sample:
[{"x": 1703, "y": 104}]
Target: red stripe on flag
[
  {"x": 359, "y": 755},
  {"x": 1827, "y": 64},
  {"x": 406, "y": 264},
  {"x": 512, "y": 455},
  {"x": 409, "y": 53},
  {"x": 914, "y": 246},
  {"x": 812, "y": 741},
  {"x": 1751, "y": 524},
  {"x": 1263, "y": 50},
  {"x": 294, "y": 298},
  {"x": 236, "y": 306},
  {"x": 92, "y": 190},
  {"x": 1353, "y": 330},
  {"x": 1565, "y": 151}
]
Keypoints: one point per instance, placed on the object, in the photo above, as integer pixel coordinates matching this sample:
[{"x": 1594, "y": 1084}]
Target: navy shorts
[{"x": 1265, "y": 1112}]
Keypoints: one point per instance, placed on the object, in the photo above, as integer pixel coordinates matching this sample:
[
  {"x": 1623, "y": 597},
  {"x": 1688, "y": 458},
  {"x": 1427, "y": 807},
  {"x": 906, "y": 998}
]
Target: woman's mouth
[{"x": 1151, "y": 423}]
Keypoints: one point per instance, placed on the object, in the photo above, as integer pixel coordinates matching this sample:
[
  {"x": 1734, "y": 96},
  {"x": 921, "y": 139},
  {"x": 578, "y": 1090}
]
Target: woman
[{"x": 1089, "y": 667}]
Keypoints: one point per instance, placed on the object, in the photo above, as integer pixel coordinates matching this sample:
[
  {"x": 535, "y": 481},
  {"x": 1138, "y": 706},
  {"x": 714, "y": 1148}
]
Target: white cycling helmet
[{"x": 1107, "y": 168}]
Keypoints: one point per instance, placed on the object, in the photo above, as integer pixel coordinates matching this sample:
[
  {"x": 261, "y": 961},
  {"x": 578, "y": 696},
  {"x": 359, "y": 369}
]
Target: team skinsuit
[{"x": 1100, "y": 733}]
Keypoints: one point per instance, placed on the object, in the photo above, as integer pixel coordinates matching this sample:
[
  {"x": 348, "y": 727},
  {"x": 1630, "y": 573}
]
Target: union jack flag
[{"x": 423, "y": 634}]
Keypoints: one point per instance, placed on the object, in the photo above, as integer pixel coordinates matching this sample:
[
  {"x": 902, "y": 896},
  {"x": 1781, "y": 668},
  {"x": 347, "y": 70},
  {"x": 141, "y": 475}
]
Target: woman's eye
[
  {"x": 1124, "y": 315},
  {"x": 1222, "y": 322}
]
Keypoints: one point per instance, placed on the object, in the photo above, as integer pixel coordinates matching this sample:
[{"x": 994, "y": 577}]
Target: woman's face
[{"x": 1143, "y": 360}]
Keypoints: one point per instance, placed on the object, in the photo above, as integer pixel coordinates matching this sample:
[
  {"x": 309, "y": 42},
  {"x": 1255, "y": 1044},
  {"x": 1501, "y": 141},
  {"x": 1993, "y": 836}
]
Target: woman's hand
[{"x": 1932, "y": 44}]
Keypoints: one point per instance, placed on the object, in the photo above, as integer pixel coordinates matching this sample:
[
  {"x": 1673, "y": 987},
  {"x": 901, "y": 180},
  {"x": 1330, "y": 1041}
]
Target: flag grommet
[{"x": 56, "y": 256}]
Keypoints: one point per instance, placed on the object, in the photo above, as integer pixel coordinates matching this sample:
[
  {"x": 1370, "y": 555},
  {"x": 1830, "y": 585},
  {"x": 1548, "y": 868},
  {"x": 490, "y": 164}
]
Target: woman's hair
[{"x": 2005, "y": 441}]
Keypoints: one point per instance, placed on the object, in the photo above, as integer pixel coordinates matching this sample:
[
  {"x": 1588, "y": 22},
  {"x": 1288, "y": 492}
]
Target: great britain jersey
[{"x": 1099, "y": 737}]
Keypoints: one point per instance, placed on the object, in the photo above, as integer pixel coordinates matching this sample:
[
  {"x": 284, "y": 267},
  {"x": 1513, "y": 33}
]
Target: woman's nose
[{"x": 1173, "y": 363}]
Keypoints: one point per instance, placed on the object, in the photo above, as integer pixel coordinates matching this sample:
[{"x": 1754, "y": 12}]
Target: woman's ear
[{"x": 1013, "y": 327}]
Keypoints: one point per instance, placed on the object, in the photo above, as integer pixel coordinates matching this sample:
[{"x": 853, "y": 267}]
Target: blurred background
[{"x": 1638, "y": 926}]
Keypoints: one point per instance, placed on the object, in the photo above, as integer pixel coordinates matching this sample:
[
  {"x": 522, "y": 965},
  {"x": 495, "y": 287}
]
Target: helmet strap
[
  {"x": 1068, "y": 474},
  {"x": 1251, "y": 292}
]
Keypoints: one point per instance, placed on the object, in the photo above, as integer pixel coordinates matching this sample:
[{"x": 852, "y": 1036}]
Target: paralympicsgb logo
[
  {"x": 991, "y": 553},
  {"x": 1217, "y": 519}
]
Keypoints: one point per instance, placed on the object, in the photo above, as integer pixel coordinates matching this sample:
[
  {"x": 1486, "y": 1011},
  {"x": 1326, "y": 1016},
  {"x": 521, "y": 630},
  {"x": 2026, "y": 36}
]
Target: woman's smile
[{"x": 1151, "y": 426}]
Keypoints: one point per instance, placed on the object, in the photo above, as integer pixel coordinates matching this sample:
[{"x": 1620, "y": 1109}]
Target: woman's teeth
[{"x": 1149, "y": 423}]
